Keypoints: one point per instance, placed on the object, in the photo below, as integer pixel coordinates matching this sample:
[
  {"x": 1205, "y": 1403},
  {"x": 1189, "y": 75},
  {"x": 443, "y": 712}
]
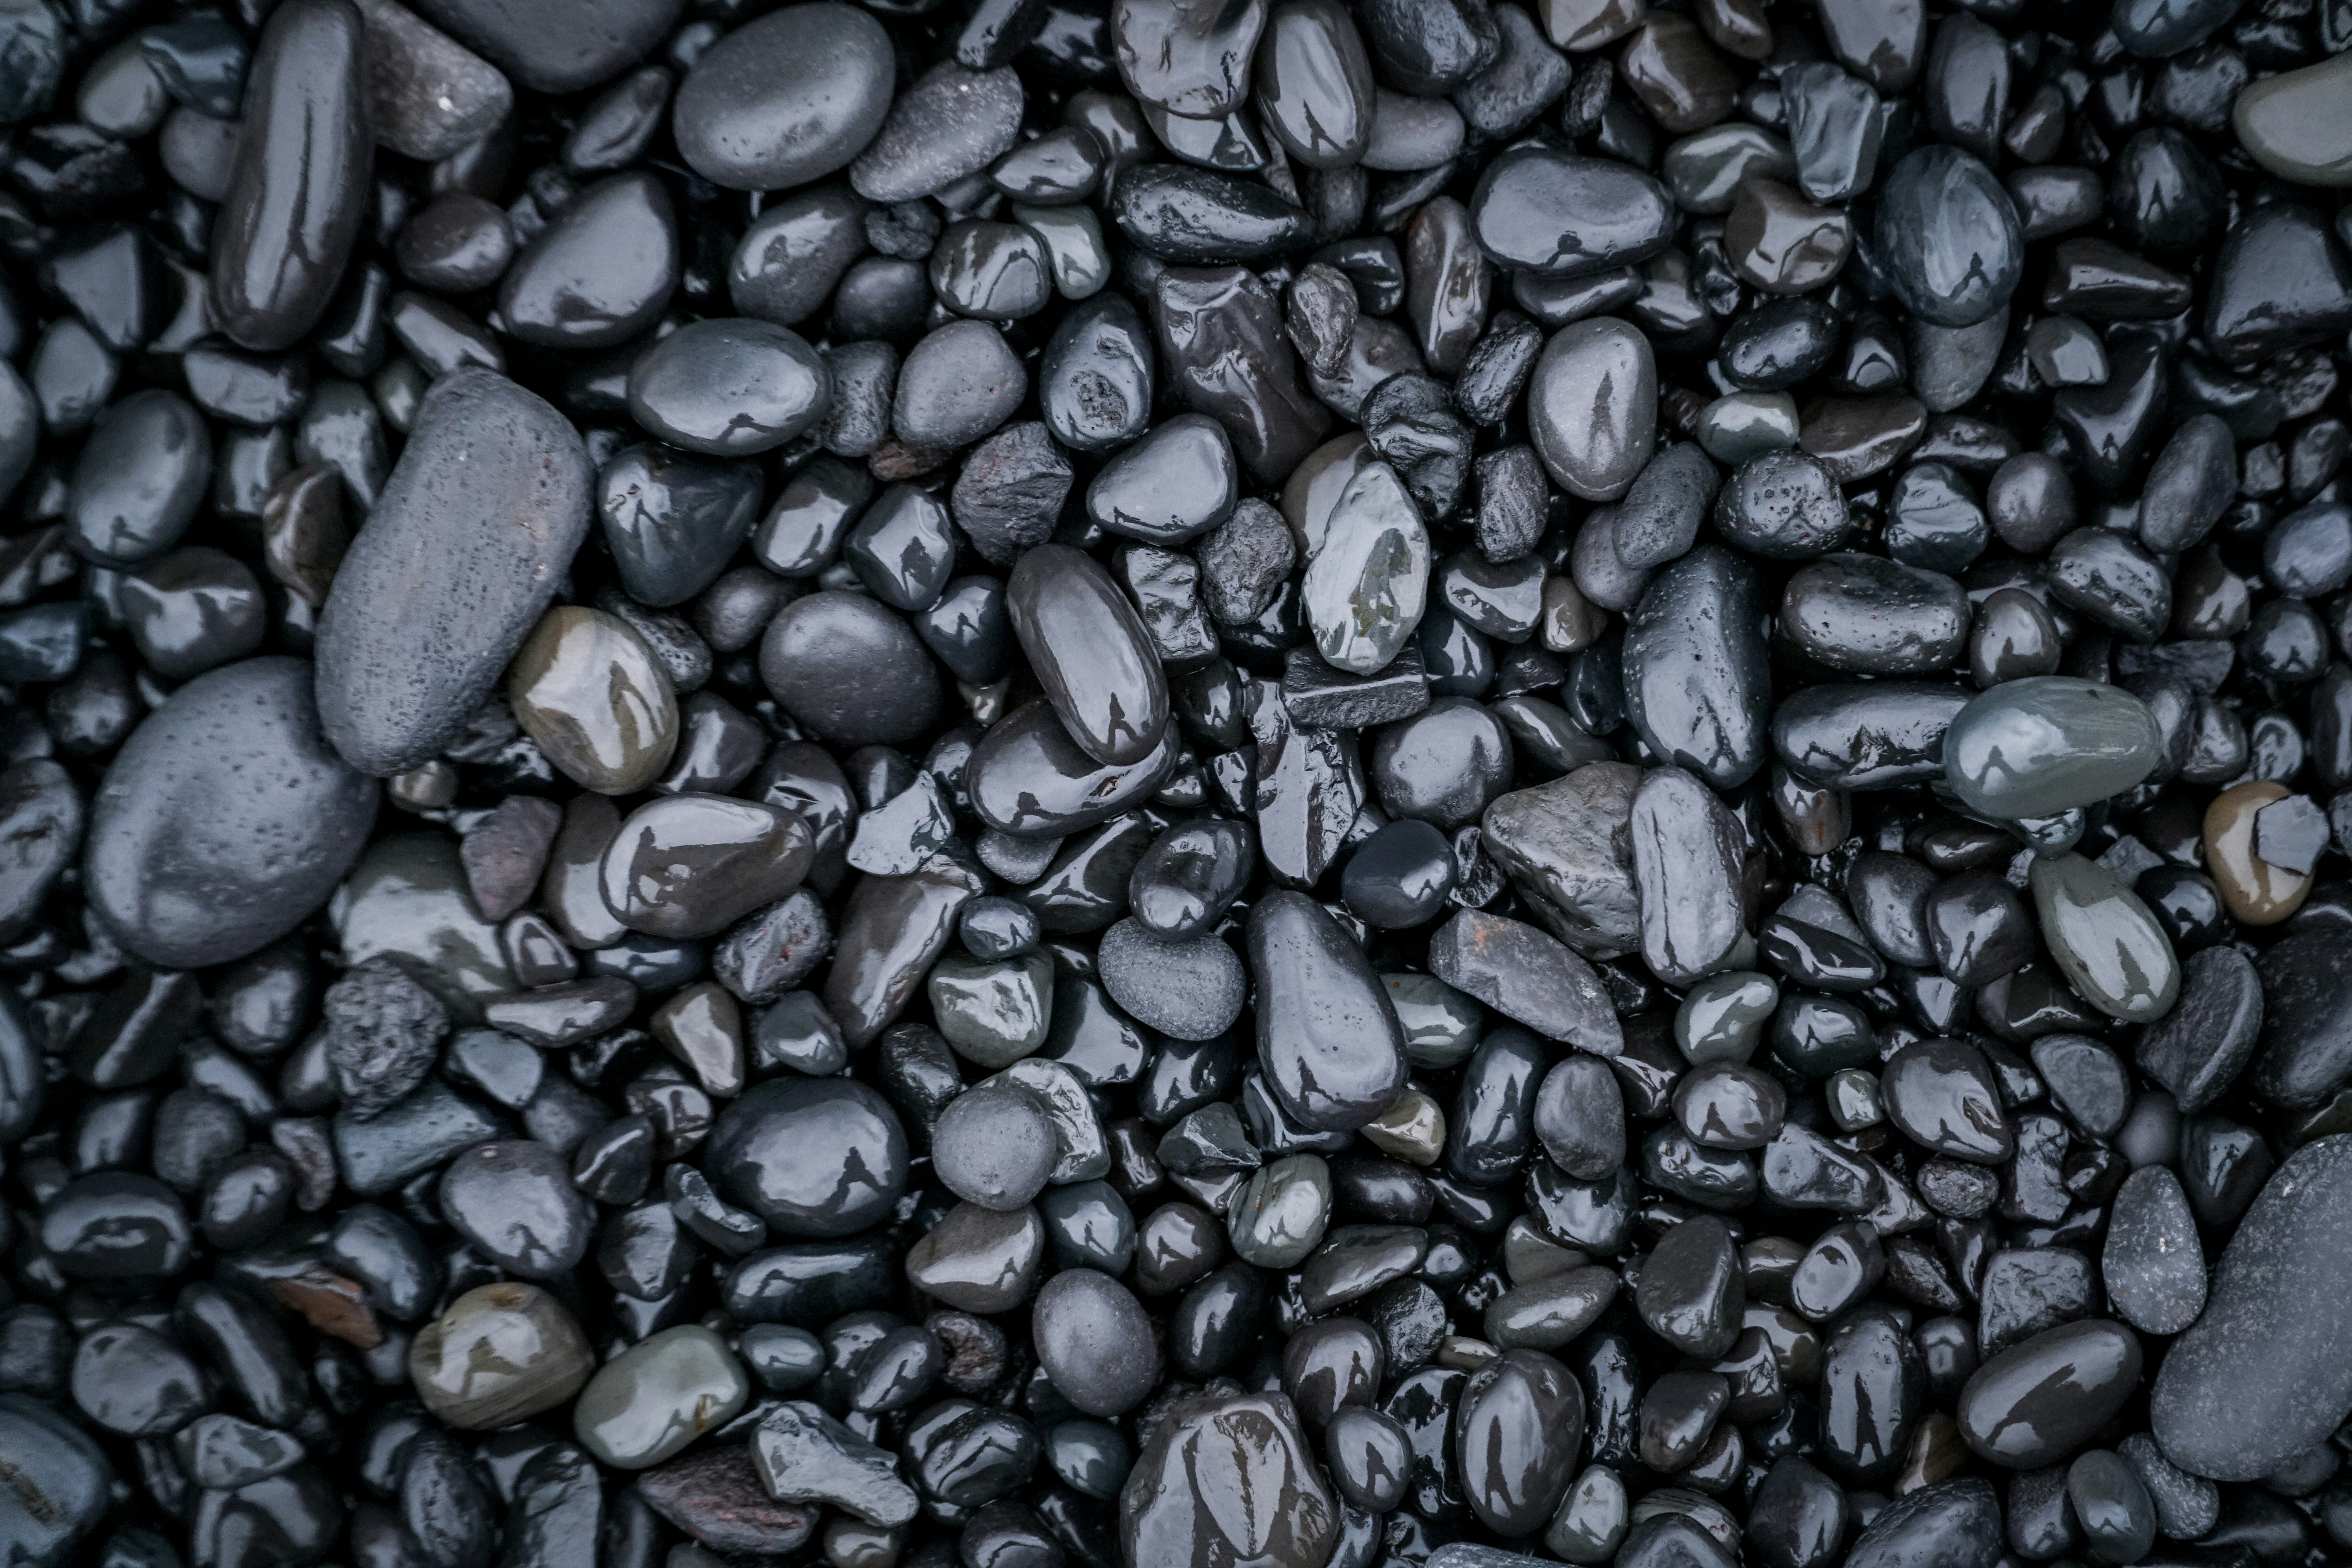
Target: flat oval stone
[
  {"x": 732, "y": 386},
  {"x": 588, "y": 689},
  {"x": 601, "y": 273},
  {"x": 2038, "y": 1402},
  {"x": 1875, "y": 617},
  {"x": 2266, "y": 1372},
  {"x": 475, "y": 526},
  {"x": 1327, "y": 1036},
  {"x": 502, "y": 1353},
  {"x": 1949, "y": 236},
  {"x": 300, "y": 188},
  {"x": 653, "y": 1399},
  {"x": 1697, "y": 675},
  {"x": 2048, "y": 744},
  {"x": 2103, "y": 938},
  {"x": 1093, "y": 1340},
  {"x": 1593, "y": 407},
  {"x": 226, "y": 820},
  {"x": 688, "y": 866},
  {"x": 1090, "y": 651},
  {"x": 1561, "y": 215},
  {"x": 815, "y": 1157},
  {"x": 62, "y": 1484},
  {"x": 786, "y": 98}
]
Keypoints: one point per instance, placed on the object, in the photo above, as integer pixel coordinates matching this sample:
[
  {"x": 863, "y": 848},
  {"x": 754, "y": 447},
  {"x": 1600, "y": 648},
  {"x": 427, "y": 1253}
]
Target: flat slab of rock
[{"x": 1524, "y": 974}]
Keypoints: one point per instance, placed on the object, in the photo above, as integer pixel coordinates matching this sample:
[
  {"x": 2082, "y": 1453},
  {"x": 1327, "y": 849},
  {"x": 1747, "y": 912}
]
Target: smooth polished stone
[
  {"x": 1782, "y": 244},
  {"x": 1253, "y": 1438},
  {"x": 2295, "y": 125},
  {"x": 601, "y": 273},
  {"x": 1193, "y": 217},
  {"x": 1687, "y": 855},
  {"x": 648, "y": 1403},
  {"x": 1949, "y": 236},
  {"x": 1314, "y": 82},
  {"x": 1090, "y": 652},
  {"x": 502, "y": 1353},
  {"x": 1029, "y": 779},
  {"x": 2042, "y": 745},
  {"x": 1940, "y": 1094},
  {"x": 812, "y": 1157},
  {"x": 139, "y": 479},
  {"x": 849, "y": 670},
  {"x": 456, "y": 563},
  {"x": 729, "y": 387},
  {"x": 1561, "y": 215},
  {"x": 785, "y": 99},
  {"x": 1327, "y": 1036},
  {"x": 1593, "y": 407},
  {"x": 1518, "y": 1423},
  {"x": 298, "y": 192},
  {"x": 2282, "y": 280},
  {"x": 2038, "y": 1402},
  {"x": 2103, "y": 938},
  {"x": 587, "y": 689},
  {"x": 978, "y": 1259},
  {"x": 1697, "y": 685},
  {"x": 196, "y": 855},
  {"x": 1872, "y": 616},
  {"x": 688, "y": 866}
]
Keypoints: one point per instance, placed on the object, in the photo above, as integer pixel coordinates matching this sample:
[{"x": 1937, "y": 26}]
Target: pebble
[
  {"x": 792, "y": 98},
  {"x": 2045, "y": 744},
  {"x": 499, "y": 1354},
  {"x": 1094, "y": 1341},
  {"x": 803, "y": 1455},
  {"x": 448, "y": 575},
  {"x": 812, "y": 1157},
  {"x": 649, "y": 1401},
  {"x": 586, "y": 687},
  {"x": 1254, "y": 1437},
  {"x": 226, "y": 820}
]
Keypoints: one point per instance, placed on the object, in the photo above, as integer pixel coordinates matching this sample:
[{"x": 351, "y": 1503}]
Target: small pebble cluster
[{"x": 1175, "y": 783}]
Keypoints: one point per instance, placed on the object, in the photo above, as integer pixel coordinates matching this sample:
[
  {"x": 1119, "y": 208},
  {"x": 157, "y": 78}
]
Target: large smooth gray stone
[
  {"x": 2266, "y": 1372},
  {"x": 476, "y": 527},
  {"x": 225, "y": 821},
  {"x": 2047, "y": 743}
]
